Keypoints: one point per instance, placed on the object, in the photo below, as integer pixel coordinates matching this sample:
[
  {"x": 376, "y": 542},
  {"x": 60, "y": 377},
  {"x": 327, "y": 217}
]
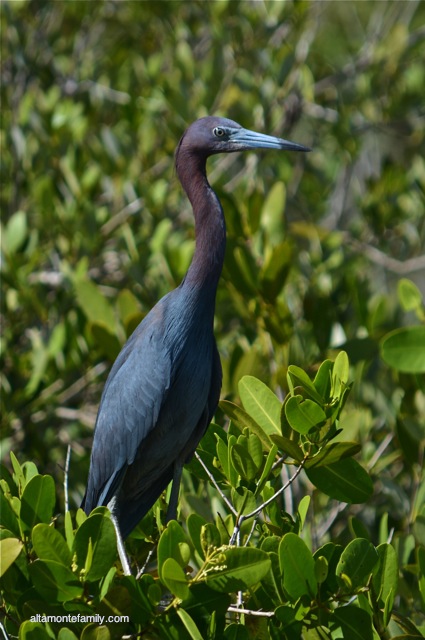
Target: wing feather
[{"x": 134, "y": 393}]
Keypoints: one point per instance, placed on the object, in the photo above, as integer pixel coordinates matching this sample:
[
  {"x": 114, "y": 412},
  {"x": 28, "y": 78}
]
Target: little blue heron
[{"x": 164, "y": 386}]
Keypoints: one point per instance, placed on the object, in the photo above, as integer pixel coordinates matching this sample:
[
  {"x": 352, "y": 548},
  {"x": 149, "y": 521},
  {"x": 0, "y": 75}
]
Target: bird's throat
[{"x": 210, "y": 229}]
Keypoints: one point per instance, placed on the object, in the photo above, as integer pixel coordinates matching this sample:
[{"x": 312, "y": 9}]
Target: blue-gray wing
[{"x": 134, "y": 393}]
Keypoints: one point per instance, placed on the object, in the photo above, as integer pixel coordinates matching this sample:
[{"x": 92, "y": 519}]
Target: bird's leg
[
  {"x": 125, "y": 563},
  {"x": 174, "y": 497}
]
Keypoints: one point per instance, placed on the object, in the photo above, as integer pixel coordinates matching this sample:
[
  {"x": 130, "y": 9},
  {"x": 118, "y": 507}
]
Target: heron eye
[{"x": 219, "y": 132}]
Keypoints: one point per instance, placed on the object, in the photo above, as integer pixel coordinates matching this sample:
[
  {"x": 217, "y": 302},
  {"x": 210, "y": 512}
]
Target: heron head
[{"x": 211, "y": 135}]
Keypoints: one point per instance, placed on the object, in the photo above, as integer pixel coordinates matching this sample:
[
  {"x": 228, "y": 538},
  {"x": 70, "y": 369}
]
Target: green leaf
[
  {"x": 117, "y": 602},
  {"x": 272, "y": 213},
  {"x": 275, "y": 270},
  {"x": 289, "y": 447},
  {"x": 255, "y": 450},
  {"x": 302, "y": 510},
  {"x": 270, "y": 460},
  {"x": 96, "y": 537},
  {"x": 404, "y": 349},
  {"x": 128, "y": 306},
  {"x": 296, "y": 376},
  {"x": 95, "y": 631},
  {"x": 104, "y": 337},
  {"x": 18, "y": 473},
  {"x": 237, "y": 568},
  {"x": 194, "y": 524},
  {"x": 261, "y": 404},
  {"x": 94, "y": 305},
  {"x": 243, "y": 462},
  {"x": 303, "y": 415},
  {"x": 245, "y": 268},
  {"x": 297, "y": 566},
  {"x": 243, "y": 420},
  {"x": 356, "y": 624},
  {"x": 50, "y": 545},
  {"x": 332, "y": 553},
  {"x": 233, "y": 473},
  {"x": 9, "y": 519},
  {"x": 173, "y": 576},
  {"x": 168, "y": 546},
  {"x": 385, "y": 577},
  {"x": 66, "y": 634},
  {"x": 357, "y": 562},
  {"x": 322, "y": 380},
  {"x": 345, "y": 481},
  {"x": 189, "y": 624},
  {"x": 357, "y": 528},
  {"x": 29, "y": 470},
  {"x": 38, "y": 501},
  {"x": 421, "y": 564},
  {"x": 333, "y": 452},
  {"x": 54, "y": 582},
  {"x": 340, "y": 374},
  {"x": 321, "y": 568},
  {"x": 223, "y": 456},
  {"x": 243, "y": 500},
  {"x": 236, "y": 632},
  {"x": 203, "y": 600},
  {"x": 10, "y": 548},
  {"x": 69, "y": 530},
  {"x": 33, "y": 631},
  {"x": 15, "y": 233},
  {"x": 409, "y": 295}
]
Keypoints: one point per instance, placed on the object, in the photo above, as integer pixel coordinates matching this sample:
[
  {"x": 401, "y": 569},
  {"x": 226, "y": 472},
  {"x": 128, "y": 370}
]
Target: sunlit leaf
[
  {"x": 404, "y": 349},
  {"x": 303, "y": 415},
  {"x": 409, "y": 295},
  {"x": 10, "y": 548},
  {"x": 168, "y": 546},
  {"x": 385, "y": 576},
  {"x": 173, "y": 576},
  {"x": 38, "y": 501},
  {"x": 95, "y": 536},
  {"x": 49, "y": 544},
  {"x": 261, "y": 403},
  {"x": 297, "y": 376},
  {"x": 243, "y": 420}
]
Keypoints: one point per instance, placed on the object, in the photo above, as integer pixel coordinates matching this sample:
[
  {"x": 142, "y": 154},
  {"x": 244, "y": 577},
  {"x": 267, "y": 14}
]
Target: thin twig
[
  {"x": 375, "y": 255},
  {"x": 121, "y": 217},
  {"x": 148, "y": 557},
  {"x": 213, "y": 480},
  {"x": 339, "y": 507},
  {"x": 380, "y": 450},
  {"x": 250, "y": 612},
  {"x": 242, "y": 518},
  {"x": 252, "y": 531},
  {"x": 65, "y": 477}
]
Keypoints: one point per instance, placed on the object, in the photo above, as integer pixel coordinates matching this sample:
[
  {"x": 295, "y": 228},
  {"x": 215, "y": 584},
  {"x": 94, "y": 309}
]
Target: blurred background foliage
[{"x": 95, "y": 227}]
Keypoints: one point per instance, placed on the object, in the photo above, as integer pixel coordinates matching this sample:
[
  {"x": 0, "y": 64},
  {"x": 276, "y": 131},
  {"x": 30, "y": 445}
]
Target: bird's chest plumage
[
  {"x": 187, "y": 346},
  {"x": 190, "y": 342}
]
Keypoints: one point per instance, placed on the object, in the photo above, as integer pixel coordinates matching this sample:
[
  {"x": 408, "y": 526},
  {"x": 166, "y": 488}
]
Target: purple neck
[{"x": 210, "y": 229}]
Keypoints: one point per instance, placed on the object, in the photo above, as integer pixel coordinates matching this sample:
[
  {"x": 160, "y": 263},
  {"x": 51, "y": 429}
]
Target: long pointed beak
[{"x": 245, "y": 139}]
